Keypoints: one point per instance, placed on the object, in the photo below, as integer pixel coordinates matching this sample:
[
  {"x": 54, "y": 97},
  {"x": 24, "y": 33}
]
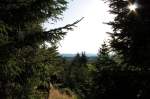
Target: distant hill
[
  {"x": 91, "y": 57},
  {"x": 68, "y": 55},
  {"x": 72, "y": 55}
]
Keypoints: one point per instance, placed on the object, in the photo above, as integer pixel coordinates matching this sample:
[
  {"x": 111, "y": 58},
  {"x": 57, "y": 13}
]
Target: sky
[{"x": 90, "y": 33}]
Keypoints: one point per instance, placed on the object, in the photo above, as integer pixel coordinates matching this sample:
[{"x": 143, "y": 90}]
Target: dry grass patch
[{"x": 57, "y": 94}]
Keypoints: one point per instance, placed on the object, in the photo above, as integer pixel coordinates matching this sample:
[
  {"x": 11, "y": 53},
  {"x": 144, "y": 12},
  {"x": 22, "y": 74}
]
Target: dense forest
[{"x": 31, "y": 69}]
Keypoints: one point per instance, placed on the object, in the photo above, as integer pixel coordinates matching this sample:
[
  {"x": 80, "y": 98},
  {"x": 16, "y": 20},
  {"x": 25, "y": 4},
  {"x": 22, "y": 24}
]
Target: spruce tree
[
  {"x": 130, "y": 35},
  {"x": 110, "y": 80},
  {"x": 78, "y": 77},
  {"x": 25, "y": 64},
  {"x": 104, "y": 58}
]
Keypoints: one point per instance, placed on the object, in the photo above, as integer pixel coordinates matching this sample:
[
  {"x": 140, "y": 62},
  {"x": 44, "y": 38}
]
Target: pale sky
[{"x": 90, "y": 33}]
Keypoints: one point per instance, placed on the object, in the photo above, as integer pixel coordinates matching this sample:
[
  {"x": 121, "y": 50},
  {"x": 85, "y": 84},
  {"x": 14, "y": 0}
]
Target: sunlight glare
[{"x": 133, "y": 7}]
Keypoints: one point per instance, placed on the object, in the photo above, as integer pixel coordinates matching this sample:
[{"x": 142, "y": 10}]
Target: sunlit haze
[{"x": 90, "y": 33}]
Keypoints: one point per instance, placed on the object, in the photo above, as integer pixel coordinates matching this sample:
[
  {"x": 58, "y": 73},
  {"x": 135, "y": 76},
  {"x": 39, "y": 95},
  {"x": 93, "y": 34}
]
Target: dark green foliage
[
  {"x": 130, "y": 40},
  {"x": 26, "y": 63},
  {"x": 103, "y": 63},
  {"x": 104, "y": 59},
  {"x": 113, "y": 79},
  {"x": 122, "y": 85},
  {"x": 73, "y": 71},
  {"x": 78, "y": 76},
  {"x": 21, "y": 12},
  {"x": 28, "y": 69},
  {"x": 130, "y": 35}
]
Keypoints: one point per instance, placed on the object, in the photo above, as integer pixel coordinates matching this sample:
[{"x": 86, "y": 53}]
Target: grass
[{"x": 57, "y": 94}]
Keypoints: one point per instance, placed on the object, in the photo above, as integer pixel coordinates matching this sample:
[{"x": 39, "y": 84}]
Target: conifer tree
[
  {"x": 130, "y": 35},
  {"x": 24, "y": 63},
  {"x": 110, "y": 81},
  {"x": 104, "y": 59},
  {"x": 77, "y": 76}
]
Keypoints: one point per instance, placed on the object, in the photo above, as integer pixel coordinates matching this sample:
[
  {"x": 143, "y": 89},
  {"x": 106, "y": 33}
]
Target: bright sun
[{"x": 133, "y": 7}]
